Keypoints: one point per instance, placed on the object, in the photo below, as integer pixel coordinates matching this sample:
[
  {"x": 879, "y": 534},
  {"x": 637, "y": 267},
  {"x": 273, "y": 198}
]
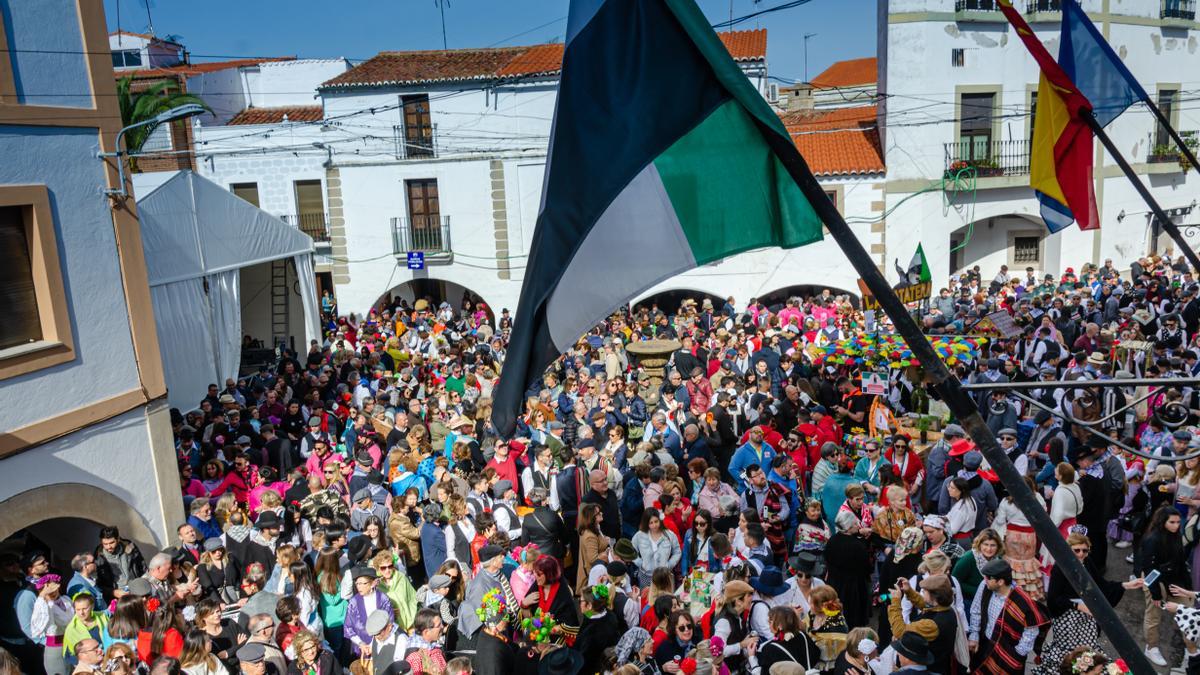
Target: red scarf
[{"x": 546, "y": 596}]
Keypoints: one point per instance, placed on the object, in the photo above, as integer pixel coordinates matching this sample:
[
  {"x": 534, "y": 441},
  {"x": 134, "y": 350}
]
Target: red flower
[
  {"x": 687, "y": 666},
  {"x": 152, "y": 605}
]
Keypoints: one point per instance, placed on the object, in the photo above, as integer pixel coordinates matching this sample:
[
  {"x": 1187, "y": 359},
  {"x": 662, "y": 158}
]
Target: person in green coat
[
  {"x": 397, "y": 588},
  {"x": 986, "y": 547}
]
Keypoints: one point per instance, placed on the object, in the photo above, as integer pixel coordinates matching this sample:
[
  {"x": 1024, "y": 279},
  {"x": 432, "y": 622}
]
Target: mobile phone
[{"x": 1152, "y": 577}]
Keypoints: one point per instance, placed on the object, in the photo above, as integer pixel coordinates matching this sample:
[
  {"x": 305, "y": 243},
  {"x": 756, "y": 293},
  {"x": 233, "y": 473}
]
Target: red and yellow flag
[{"x": 1061, "y": 153}]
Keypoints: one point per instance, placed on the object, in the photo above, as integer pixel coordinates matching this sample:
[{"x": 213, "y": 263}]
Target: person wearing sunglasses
[
  {"x": 1072, "y": 622},
  {"x": 680, "y": 641}
]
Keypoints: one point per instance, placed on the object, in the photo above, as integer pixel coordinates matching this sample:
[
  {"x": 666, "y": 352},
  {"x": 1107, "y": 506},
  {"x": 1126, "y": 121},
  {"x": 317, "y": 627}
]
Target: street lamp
[{"x": 176, "y": 113}]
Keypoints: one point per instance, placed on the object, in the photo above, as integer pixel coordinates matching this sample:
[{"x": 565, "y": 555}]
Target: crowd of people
[{"x": 352, "y": 508}]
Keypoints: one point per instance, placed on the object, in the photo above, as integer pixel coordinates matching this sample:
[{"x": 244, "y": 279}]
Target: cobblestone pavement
[{"x": 1131, "y": 610}]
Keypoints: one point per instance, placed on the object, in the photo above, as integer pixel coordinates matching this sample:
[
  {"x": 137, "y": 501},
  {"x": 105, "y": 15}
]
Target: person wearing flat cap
[
  {"x": 504, "y": 509},
  {"x": 934, "y": 618},
  {"x": 490, "y": 576},
  {"x": 364, "y": 507},
  {"x": 367, "y": 598},
  {"x": 1004, "y": 622},
  {"x": 252, "y": 659},
  {"x": 388, "y": 644}
]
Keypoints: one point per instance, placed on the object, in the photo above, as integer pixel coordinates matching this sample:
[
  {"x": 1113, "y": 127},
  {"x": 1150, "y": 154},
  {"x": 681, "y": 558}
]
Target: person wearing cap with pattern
[{"x": 1004, "y": 622}]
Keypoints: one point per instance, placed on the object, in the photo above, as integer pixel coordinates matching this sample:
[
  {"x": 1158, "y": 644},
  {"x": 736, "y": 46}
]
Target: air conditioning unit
[{"x": 773, "y": 93}]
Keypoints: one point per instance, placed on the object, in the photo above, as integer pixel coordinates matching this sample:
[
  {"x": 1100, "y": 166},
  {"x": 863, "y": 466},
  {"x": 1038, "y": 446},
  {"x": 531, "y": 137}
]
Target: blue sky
[{"x": 358, "y": 29}]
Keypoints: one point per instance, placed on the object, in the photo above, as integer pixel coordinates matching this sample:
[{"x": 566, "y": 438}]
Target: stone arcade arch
[{"x": 73, "y": 501}]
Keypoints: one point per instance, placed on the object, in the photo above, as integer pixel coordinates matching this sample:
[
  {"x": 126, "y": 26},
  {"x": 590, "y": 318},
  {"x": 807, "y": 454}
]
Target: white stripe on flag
[{"x": 636, "y": 243}]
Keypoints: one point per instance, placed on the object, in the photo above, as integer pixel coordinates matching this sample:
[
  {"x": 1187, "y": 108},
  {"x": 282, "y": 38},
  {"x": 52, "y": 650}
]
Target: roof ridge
[{"x": 413, "y": 52}]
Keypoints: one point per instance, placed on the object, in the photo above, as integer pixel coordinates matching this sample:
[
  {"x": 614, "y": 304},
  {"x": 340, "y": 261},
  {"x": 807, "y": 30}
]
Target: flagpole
[
  {"x": 1162, "y": 119},
  {"x": 964, "y": 409},
  {"x": 1171, "y": 228}
]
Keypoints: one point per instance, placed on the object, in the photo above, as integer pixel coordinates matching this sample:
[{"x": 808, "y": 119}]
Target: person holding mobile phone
[
  {"x": 1073, "y": 625},
  {"x": 1162, "y": 552}
]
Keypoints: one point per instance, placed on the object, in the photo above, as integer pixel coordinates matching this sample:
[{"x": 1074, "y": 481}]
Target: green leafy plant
[{"x": 144, "y": 105}]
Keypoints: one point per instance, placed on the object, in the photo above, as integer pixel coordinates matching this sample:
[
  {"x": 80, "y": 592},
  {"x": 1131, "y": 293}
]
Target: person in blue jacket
[
  {"x": 433, "y": 540},
  {"x": 755, "y": 451}
]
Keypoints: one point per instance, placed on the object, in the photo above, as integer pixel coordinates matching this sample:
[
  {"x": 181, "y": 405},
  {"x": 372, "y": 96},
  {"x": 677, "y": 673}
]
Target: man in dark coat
[
  {"x": 1097, "y": 496},
  {"x": 602, "y": 496}
]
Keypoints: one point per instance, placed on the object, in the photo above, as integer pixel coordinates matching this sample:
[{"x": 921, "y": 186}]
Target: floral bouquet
[
  {"x": 538, "y": 628},
  {"x": 493, "y": 608}
]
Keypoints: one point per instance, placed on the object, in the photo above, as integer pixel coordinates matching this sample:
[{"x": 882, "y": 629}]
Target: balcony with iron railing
[
  {"x": 314, "y": 224},
  {"x": 1037, "y": 7},
  {"x": 987, "y": 159},
  {"x": 415, "y": 145},
  {"x": 1178, "y": 9},
  {"x": 427, "y": 234},
  {"x": 976, "y": 6}
]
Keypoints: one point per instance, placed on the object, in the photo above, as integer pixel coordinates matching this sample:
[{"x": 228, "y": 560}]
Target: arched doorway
[
  {"x": 1016, "y": 240},
  {"x": 776, "y": 298},
  {"x": 65, "y": 519},
  {"x": 435, "y": 292},
  {"x": 670, "y": 301}
]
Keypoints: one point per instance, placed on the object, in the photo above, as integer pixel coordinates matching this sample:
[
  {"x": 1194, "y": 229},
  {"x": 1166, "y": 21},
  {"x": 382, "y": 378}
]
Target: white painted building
[
  {"x": 132, "y": 51},
  {"x": 85, "y": 431},
  {"x": 959, "y": 86},
  {"x": 444, "y": 153}
]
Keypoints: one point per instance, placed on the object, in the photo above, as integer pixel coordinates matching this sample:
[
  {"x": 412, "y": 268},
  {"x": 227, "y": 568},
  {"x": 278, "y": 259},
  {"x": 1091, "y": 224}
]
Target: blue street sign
[{"x": 416, "y": 260}]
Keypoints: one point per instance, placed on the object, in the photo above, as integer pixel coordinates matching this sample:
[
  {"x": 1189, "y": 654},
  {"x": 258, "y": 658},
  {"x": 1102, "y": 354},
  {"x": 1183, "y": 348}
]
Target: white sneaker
[
  {"x": 1155, "y": 656},
  {"x": 1123, "y": 544}
]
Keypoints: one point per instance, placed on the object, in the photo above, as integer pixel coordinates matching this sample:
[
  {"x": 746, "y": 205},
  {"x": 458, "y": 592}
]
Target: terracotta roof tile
[
  {"x": 746, "y": 45},
  {"x": 190, "y": 69},
  {"x": 537, "y": 60},
  {"x": 839, "y": 141},
  {"x": 851, "y": 73},
  {"x": 294, "y": 113},
  {"x": 458, "y": 65}
]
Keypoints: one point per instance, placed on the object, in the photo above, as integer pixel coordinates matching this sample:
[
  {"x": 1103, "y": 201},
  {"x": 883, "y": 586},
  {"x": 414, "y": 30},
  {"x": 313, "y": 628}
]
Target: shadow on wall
[{"x": 33, "y": 508}]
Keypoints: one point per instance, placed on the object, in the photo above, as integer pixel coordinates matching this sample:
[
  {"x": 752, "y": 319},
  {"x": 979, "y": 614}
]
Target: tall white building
[{"x": 959, "y": 89}]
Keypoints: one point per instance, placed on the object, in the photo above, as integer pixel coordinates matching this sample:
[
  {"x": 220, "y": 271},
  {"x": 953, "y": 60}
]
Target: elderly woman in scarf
[
  {"x": 637, "y": 648},
  {"x": 902, "y": 564}
]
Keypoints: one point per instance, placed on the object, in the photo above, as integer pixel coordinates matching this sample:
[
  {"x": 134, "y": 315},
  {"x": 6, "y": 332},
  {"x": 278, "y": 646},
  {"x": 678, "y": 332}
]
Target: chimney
[{"x": 800, "y": 97}]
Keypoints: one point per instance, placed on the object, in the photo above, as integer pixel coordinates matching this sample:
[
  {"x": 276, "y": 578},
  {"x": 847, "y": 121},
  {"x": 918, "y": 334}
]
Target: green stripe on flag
[{"x": 730, "y": 192}]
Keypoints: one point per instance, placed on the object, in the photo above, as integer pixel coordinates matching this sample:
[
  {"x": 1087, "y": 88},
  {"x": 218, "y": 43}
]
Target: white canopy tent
[{"x": 197, "y": 237}]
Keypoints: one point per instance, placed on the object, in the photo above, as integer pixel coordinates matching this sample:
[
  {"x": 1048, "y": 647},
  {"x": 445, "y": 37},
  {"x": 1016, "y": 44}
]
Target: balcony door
[
  {"x": 975, "y": 129},
  {"x": 310, "y": 209},
  {"x": 424, "y": 214},
  {"x": 418, "y": 126}
]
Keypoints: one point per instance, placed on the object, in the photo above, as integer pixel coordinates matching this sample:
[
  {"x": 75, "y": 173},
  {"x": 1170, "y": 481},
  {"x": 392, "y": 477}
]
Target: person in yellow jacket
[
  {"x": 396, "y": 586},
  {"x": 87, "y": 623}
]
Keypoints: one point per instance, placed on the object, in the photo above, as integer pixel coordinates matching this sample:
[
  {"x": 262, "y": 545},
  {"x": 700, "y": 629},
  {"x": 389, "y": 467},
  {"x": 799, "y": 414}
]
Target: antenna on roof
[
  {"x": 149, "y": 19},
  {"x": 441, "y": 5}
]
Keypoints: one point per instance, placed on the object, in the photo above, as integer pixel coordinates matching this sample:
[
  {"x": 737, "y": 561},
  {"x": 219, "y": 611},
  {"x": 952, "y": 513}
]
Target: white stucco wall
[
  {"x": 46, "y": 52},
  {"x": 115, "y": 456},
  {"x": 64, "y": 160},
  {"x": 281, "y": 83}
]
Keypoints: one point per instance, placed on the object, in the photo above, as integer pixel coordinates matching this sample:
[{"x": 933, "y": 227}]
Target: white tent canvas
[{"x": 197, "y": 236}]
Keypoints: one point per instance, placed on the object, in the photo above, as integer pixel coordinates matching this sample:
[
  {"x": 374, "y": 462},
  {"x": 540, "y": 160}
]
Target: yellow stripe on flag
[{"x": 1052, "y": 118}]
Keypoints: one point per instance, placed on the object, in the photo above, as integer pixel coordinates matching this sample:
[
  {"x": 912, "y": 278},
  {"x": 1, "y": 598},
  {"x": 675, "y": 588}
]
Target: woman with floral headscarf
[
  {"x": 48, "y": 623},
  {"x": 902, "y": 564},
  {"x": 637, "y": 648}
]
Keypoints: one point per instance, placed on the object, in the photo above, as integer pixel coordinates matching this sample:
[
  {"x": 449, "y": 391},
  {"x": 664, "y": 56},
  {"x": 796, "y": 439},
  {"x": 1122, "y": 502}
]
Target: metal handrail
[{"x": 428, "y": 234}]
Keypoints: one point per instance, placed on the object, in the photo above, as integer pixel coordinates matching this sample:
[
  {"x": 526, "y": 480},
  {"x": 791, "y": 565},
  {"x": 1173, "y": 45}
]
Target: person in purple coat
[{"x": 366, "y": 599}]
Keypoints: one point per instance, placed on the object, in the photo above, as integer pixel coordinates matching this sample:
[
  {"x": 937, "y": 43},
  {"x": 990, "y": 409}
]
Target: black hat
[
  {"x": 770, "y": 582},
  {"x": 365, "y": 571},
  {"x": 914, "y": 648},
  {"x": 1042, "y": 416},
  {"x": 561, "y": 661},
  {"x": 995, "y": 568},
  {"x": 808, "y": 563},
  {"x": 616, "y": 568},
  {"x": 268, "y": 520},
  {"x": 1080, "y": 452},
  {"x": 490, "y": 551}
]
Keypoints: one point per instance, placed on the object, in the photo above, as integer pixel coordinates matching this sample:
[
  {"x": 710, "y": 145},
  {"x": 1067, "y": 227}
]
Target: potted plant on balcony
[{"x": 1162, "y": 153}]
